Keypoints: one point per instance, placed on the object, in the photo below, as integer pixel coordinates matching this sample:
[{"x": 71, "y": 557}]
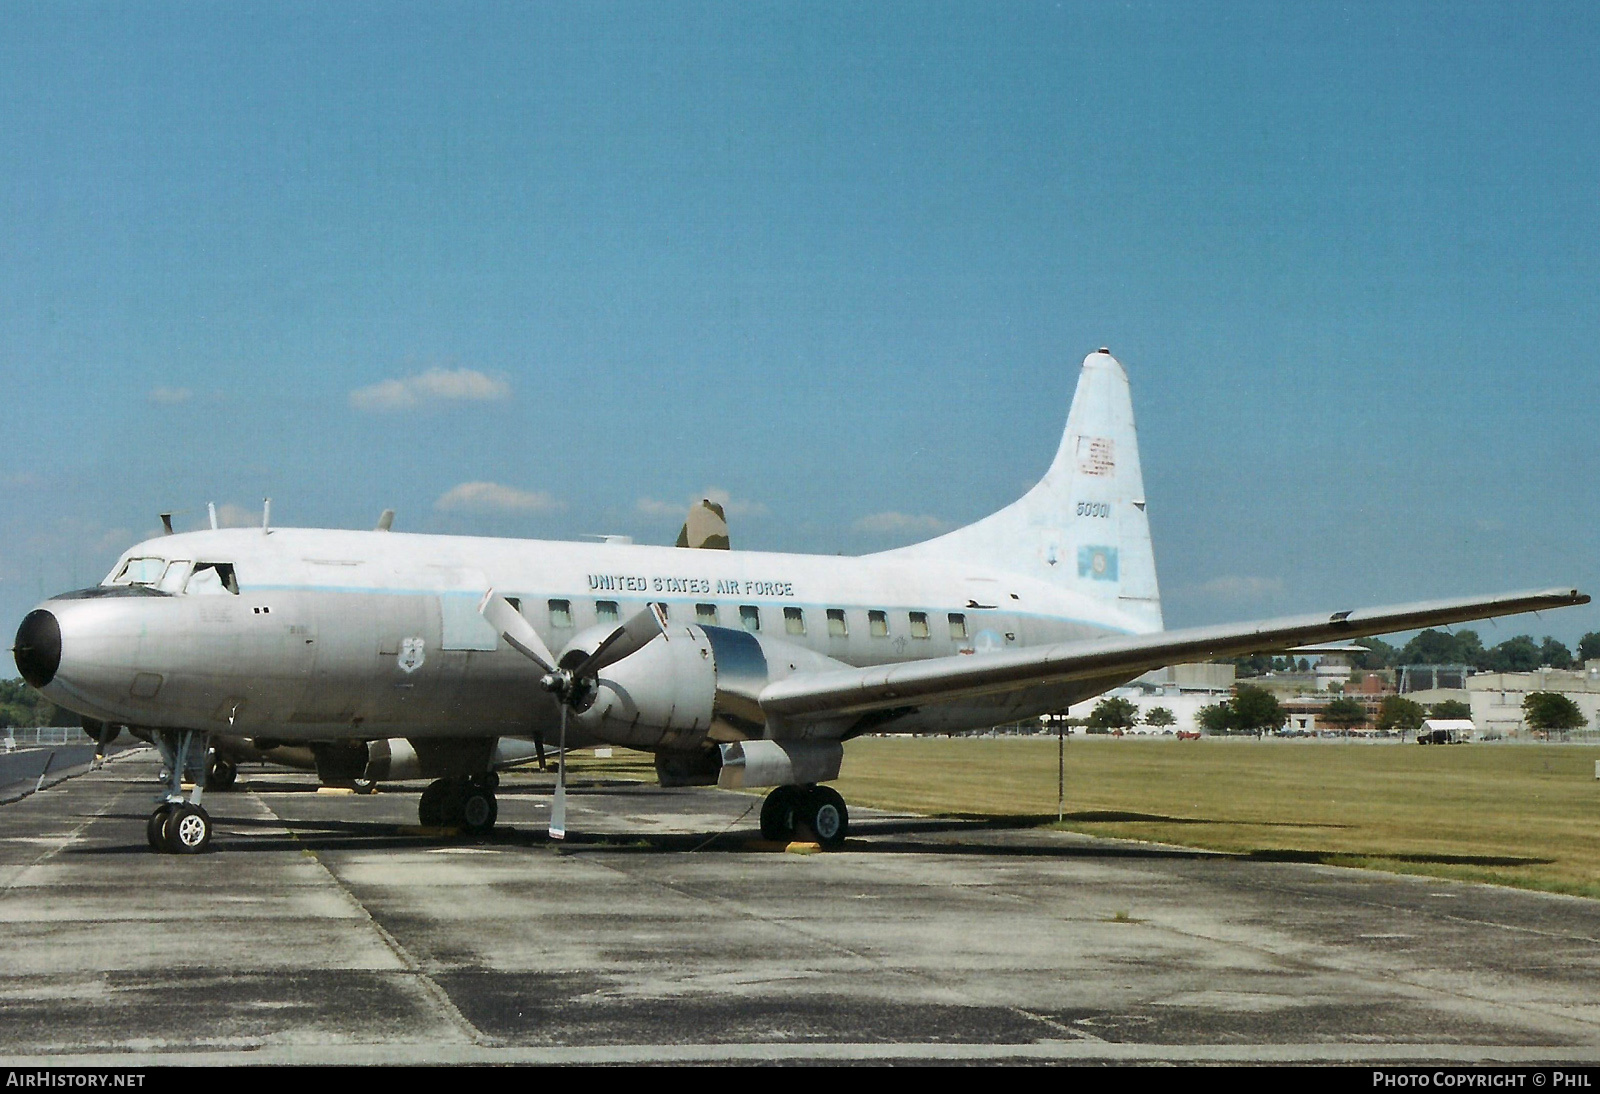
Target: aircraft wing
[{"x": 809, "y": 696}]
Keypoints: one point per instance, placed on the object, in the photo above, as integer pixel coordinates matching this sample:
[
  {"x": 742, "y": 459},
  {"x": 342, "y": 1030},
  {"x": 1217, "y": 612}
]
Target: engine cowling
[{"x": 692, "y": 685}]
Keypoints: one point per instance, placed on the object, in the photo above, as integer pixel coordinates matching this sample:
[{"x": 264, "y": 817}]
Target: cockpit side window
[
  {"x": 176, "y": 574},
  {"x": 213, "y": 579},
  {"x": 140, "y": 571}
]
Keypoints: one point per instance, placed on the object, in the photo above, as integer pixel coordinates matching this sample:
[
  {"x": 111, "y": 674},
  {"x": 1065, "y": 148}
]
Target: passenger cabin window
[
  {"x": 212, "y": 579},
  {"x": 606, "y": 611},
  {"x": 958, "y": 626},
  {"x": 919, "y": 624},
  {"x": 836, "y": 624},
  {"x": 750, "y": 617},
  {"x": 561, "y": 614},
  {"x": 878, "y": 624},
  {"x": 706, "y": 615},
  {"x": 794, "y": 621}
]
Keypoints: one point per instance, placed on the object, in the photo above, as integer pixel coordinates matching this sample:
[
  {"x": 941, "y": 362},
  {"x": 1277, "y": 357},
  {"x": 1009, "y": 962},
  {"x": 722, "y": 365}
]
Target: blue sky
[{"x": 551, "y": 269}]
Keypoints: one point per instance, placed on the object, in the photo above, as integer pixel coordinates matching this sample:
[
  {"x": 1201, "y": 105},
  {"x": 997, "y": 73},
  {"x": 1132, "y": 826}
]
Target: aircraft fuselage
[{"x": 326, "y": 634}]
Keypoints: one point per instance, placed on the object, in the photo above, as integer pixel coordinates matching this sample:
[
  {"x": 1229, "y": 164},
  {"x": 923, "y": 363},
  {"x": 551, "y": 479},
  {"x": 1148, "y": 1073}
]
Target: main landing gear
[
  {"x": 179, "y": 826},
  {"x": 460, "y": 801},
  {"x": 820, "y": 809}
]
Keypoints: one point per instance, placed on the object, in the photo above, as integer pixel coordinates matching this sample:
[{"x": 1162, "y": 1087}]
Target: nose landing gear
[{"x": 181, "y": 826}]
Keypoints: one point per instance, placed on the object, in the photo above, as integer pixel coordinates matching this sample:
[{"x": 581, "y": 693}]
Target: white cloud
[
  {"x": 170, "y": 396},
  {"x": 1241, "y": 587},
  {"x": 892, "y": 523},
  {"x": 677, "y": 510},
  {"x": 434, "y": 386},
  {"x": 491, "y": 497}
]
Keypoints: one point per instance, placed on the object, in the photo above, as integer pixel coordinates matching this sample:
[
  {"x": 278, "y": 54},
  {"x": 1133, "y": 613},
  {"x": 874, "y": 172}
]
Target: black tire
[
  {"x": 827, "y": 816},
  {"x": 478, "y": 812},
  {"x": 365, "y": 786},
  {"x": 222, "y": 775},
  {"x": 430, "y": 810},
  {"x": 188, "y": 830},
  {"x": 155, "y": 829},
  {"x": 778, "y": 813}
]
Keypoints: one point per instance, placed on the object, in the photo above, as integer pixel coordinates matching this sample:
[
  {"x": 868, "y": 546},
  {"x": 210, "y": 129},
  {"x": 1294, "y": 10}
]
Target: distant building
[
  {"x": 1182, "y": 689},
  {"x": 1496, "y": 697}
]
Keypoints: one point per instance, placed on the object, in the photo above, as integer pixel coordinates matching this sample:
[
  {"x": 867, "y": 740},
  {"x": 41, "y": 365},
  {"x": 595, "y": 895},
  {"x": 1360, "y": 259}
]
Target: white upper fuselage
[{"x": 336, "y": 634}]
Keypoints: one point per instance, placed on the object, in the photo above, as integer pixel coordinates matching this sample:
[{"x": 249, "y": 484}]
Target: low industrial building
[{"x": 1496, "y": 697}]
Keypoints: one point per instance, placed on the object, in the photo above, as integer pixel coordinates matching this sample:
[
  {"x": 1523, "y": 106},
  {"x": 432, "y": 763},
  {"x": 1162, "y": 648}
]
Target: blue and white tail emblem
[
  {"x": 1097, "y": 563},
  {"x": 412, "y": 654}
]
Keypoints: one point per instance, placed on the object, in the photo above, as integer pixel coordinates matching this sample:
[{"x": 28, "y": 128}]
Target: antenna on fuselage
[
  {"x": 211, "y": 507},
  {"x": 166, "y": 522},
  {"x": 266, "y": 515},
  {"x": 386, "y": 521}
]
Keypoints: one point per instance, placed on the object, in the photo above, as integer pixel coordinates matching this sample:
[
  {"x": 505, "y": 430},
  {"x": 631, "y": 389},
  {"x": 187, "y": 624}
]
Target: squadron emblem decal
[{"x": 412, "y": 654}]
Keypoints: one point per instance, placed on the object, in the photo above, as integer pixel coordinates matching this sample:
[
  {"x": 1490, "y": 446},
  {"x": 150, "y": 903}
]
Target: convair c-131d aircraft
[{"x": 735, "y": 668}]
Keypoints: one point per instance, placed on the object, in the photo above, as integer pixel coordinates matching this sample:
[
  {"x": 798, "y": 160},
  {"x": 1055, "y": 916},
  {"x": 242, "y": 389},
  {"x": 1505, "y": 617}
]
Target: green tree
[
  {"x": 1518, "y": 654},
  {"x": 1398, "y": 714},
  {"x": 1589, "y": 646},
  {"x": 1159, "y": 717},
  {"x": 1113, "y": 713},
  {"x": 1379, "y": 655},
  {"x": 1257, "y": 664},
  {"x": 1254, "y": 710},
  {"x": 1214, "y": 718},
  {"x": 1554, "y": 653},
  {"x": 1433, "y": 647},
  {"x": 23, "y": 707},
  {"x": 1452, "y": 709},
  {"x": 1344, "y": 713},
  {"x": 1550, "y": 710}
]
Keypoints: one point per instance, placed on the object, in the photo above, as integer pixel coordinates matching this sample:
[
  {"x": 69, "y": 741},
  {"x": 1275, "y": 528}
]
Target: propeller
[{"x": 571, "y": 685}]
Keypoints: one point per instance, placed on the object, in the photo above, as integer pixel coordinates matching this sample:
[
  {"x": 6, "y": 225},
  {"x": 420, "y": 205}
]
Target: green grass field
[{"x": 1522, "y": 815}]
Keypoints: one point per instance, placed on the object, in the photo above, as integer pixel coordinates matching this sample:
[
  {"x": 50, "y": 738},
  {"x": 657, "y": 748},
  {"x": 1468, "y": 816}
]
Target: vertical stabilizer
[{"x": 1084, "y": 526}]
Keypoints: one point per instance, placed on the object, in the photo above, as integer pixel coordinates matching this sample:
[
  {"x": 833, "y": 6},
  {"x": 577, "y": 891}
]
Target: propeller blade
[
  {"x": 636, "y": 632},
  {"x": 558, "y": 807},
  {"x": 517, "y": 631}
]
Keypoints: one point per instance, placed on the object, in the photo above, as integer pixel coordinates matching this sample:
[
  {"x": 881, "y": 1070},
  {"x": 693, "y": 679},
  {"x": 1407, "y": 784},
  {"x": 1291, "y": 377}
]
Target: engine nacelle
[
  {"x": 747, "y": 764},
  {"x": 692, "y": 685}
]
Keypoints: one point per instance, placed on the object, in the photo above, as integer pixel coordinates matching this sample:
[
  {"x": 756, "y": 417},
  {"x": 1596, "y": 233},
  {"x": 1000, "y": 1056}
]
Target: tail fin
[
  {"x": 1084, "y": 526},
  {"x": 706, "y": 527}
]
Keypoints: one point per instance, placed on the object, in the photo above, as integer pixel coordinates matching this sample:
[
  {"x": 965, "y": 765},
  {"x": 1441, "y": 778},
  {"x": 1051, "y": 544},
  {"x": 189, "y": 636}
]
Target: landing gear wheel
[
  {"x": 826, "y": 816},
  {"x": 478, "y": 812},
  {"x": 155, "y": 829},
  {"x": 365, "y": 786},
  {"x": 778, "y": 813},
  {"x": 489, "y": 780},
  {"x": 222, "y": 775},
  {"x": 188, "y": 830},
  {"x": 430, "y": 810}
]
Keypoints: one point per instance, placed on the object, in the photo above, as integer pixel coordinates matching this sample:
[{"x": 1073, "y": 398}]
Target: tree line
[
  {"x": 1432, "y": 647},
  {"x": 1256, "y": 710},
  {"x": 23, "y": 708}
]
